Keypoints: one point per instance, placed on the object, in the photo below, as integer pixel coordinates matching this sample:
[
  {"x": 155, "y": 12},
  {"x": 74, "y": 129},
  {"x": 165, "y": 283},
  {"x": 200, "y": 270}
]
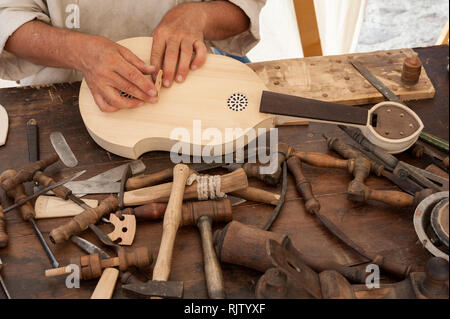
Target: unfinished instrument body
[
  {"x": 217, "y": 105},
  {"x": 4, "y": 123}
]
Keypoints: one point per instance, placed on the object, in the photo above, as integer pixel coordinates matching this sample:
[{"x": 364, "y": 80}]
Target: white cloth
[{"x": 114, "y": 19}]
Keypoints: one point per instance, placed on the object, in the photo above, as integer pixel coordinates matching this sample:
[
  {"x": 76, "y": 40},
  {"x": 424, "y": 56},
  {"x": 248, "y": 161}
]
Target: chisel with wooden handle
[
  {"x": 313, "y": 207},
  {"x": 83, "y": 220},
  {"x": 27, "y": 172}
]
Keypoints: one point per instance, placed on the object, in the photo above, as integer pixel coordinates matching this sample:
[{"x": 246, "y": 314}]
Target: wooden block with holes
[{"x": 333, "y": 79}]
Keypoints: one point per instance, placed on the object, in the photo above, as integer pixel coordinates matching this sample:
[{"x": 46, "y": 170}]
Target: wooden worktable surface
[{"x": 377, "y": 229}]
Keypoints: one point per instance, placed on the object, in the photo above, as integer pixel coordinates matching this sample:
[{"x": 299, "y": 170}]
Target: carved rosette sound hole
[
  {"x": 237, "y": 102},
  {"x": 128, "y": 96}
]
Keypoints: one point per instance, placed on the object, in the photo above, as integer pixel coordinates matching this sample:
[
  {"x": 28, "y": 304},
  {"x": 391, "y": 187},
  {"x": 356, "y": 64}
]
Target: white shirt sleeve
[
  {"x": 14, "y": 14},
  {"x": 242, "y": 43}
]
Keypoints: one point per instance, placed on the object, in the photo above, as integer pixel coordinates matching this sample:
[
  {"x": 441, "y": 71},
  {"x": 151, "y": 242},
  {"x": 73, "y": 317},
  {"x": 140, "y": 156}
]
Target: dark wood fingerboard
[{"x": 289, "y": 105}]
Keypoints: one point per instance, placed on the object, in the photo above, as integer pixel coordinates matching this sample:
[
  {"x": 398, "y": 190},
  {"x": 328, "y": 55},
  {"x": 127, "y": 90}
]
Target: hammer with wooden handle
[
  {"x": 202, "y": 214},
  {"x": 172, "y": 220}
]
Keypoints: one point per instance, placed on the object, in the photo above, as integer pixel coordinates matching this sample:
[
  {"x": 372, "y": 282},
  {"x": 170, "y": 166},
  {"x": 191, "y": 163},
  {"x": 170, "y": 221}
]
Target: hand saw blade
[
  {"x": 89, "y": 187},
  {"x": 63, "y": 149},
  {"x": 115, "y": 174}
]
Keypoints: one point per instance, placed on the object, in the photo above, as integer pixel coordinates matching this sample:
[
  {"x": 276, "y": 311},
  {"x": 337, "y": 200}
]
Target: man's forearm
[
  {"x": 45, "y": 45},
  {"x": 223, "y": 20}
]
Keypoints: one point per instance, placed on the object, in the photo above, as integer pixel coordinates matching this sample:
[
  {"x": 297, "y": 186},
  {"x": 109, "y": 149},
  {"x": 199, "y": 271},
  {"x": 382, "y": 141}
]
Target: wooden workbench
[{"x": 377, "y": 229}]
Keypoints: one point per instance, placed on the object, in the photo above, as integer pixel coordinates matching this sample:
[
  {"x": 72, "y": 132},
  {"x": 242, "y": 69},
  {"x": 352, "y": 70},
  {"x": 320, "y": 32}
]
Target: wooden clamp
[
  {"x": 234, "y": 181},
  {"x": 91, "y": 266},
  {"x": 82, "y": 221}
]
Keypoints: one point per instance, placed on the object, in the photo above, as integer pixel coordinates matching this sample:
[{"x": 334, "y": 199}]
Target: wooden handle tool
[
  {"x": 324, "y": 160},
  {"x": 172, "y": 220},
  {"x": 220, "y": 210},
  {"x": 91, "y": 265},
  {"x": 230, "y": 182},
  {"x": 303, "y": 186},
  {"x": 106, "y": 284},
  {"x": 60, "y": 191},
  {"x": 213, "y": 271},
  {"x": 26, "y": 173},
  {"x": 395, "y": 198},
  {"x": 83, "y": 220}
]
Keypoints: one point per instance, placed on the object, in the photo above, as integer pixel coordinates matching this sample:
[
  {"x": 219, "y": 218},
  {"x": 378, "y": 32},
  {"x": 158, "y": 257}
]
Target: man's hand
[
  {"x": 109, "y": 67},
  {"x": 177, "y": 38},
  {"x": 178, "y": 41},
  {"x": 106, "y": 66}
]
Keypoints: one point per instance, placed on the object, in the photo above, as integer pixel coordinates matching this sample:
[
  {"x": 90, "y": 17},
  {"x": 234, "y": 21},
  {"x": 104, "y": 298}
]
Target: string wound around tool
[{"x": 208, "y": 187}]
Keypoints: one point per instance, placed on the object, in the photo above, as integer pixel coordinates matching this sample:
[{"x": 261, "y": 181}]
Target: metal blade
[
  {"x": 89, "y": 247},
  {"x": 341, "y": 235},
  {"x": 441, "y": 181},
  {"x": 236, "y": 200},
  {"x": 43, "y": 191},
  {"x": 82, "y": 188},
  {"x": 2, "y": 283},
  {"x": 115, "y": 174},
  {"x": 383, "y": 89},
  {"x": 200, "y": 167},
  {"x": 405, "y": 185},
  {"x": 63, "y": 149},
  {"x": 152, "y": 288},
  {"x": 46, "y": 247}
]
